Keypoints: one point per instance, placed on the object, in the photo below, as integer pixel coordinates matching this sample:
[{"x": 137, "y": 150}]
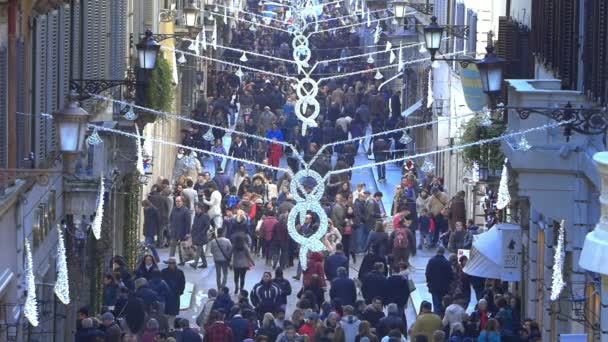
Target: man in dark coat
[
  {"x": 239, "y": 326},
  {"x": 374, "y": 283},
  {"x": 381, "y": 152},
  {"x": 283, "y": 285},
  {"x": 335, "y": 261},
  {"x": 265, "y": 295},
  {"x": 398, "y": 288},
  {"x": 439, "y": 276},
  {"x": 87, "y": 332},
  {"x": 145, "y": 293},
  {"x": 179, "y": 227},
  {"x": 151, "y": 222},
  {"x": 163, "y": 204},
  {"x": 343, "y": 288},
  {"x": 392, "y": 321},
  {"x": 174, "y": 277},
  {"x": 457, "y": 210},
  {"x": 200, "y": 227},
  {"x": 368, "y": 262}
]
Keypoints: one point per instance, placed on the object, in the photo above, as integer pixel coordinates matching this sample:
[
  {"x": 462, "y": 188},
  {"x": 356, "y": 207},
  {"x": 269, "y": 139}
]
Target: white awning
[
  {"x": 496, "y": 253},
  {"x": 412, "y": 109}
]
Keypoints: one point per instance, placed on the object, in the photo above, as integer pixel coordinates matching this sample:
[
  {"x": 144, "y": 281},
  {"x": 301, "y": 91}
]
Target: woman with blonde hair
[{"x": 268, "y": 328}]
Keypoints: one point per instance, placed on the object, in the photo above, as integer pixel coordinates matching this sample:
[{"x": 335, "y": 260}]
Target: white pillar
[{"x": 594, "y": 256}]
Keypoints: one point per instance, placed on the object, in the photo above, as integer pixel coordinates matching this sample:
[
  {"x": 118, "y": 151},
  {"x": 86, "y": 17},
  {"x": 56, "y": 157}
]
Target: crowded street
[{"x": 303, "y": 171}]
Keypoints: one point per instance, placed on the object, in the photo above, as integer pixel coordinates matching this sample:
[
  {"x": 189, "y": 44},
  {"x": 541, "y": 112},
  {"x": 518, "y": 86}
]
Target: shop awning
[
  {"x": 496, "y": 254},
  {"x": 412, "y": 109}
]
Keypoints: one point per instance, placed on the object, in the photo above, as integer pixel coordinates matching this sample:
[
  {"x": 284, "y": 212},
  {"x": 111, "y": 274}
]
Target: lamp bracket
[
  {"x": 178, "y": 36},
  {"x": 458, "y": 31},
  {"x": 85, "y": 88},
  {"x": 166, "y": 15},
  {"x": 587, "y": 121},
  {"x": 424, "y": 8}
]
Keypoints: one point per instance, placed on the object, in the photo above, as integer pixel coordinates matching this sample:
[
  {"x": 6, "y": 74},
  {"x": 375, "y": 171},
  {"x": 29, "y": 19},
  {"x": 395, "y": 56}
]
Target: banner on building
[
  {"x": 471, "y": 88},
  {"x": 511, "y": 252}
]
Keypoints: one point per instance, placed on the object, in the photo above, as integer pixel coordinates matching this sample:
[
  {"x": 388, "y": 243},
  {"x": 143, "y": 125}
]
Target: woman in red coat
[
  {"x": 275, "y": 152},
  {"x": 315, "y": 266}
]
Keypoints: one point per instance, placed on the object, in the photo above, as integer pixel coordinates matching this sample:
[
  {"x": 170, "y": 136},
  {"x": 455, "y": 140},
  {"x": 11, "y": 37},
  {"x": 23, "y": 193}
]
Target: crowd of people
[{"x": 235, "y": 214}]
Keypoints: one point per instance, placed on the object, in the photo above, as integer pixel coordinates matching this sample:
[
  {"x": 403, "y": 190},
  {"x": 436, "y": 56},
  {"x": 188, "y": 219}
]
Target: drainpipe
[{"x": 594, "y": 256}]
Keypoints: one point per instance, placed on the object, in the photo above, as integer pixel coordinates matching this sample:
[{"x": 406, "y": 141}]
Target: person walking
[
  {"x": 179, "y": 227},
  {"x": 343, "y": 289},
  {"x": 374, "y": 283},
  {"x": 214, "y": 202},
  {"x": 241, "y": 262},
  {"x": 334, "y": 262},
  {"x": 199, "y": 234},
  {"x": 398, "y": 288},
  {"x": 426, "y": 323},
  {"x": 152, "y": 222},
  {"x": 439, "y": 276},
  {"x": 280, "y": 243},
  {"x": 221, "y": 250},
  {"x": 283, "y": 285},
  {"x": 217, "y": 330},
  {"x": 175, "y": 279}
]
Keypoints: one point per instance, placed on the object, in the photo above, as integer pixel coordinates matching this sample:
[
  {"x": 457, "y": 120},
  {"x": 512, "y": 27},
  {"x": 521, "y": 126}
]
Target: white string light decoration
[
  {"x": 62, "y": 285},
  {"x": 140, "y": 153},
  {"x": 30, "y": 309},
  {"x": 557, "y": 283},
  {"x": 429, "y": 93},
  {"x": 310, "y": 202},
  {"x": 475, "y": 176},
  {"x": 96, "y": 225},
  {"x": 503, "y": 188}
]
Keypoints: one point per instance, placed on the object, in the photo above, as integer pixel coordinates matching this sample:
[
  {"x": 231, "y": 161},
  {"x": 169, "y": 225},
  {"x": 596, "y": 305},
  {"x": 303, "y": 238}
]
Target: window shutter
[
  {"x": 148, "y": 15},
  {"x": 76, "y": 60},
  {"x": 52, "y": 79},
  {"x": 64, "y": 54},
  {"x": 118, "y": 15},
  {"x": 22, "y": 137},
  {"x": 595, "y": 53},
  {"x": 472, "y": 38},
  {"x": 39, "y": 86},
  {"x": 96, "y": 43},
  {"x": 3, "y": 106},
  {"x": 459, "y": 21}
]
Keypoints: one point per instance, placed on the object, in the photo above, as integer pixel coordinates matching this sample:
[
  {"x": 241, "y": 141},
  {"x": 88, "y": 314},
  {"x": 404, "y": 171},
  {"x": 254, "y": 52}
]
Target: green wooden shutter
[
  {"x": 3, "y": 106},
  {"x": 39, "y": 91}
]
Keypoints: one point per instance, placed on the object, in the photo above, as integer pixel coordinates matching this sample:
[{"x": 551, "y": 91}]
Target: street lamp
[
  {"x": 432, "y": 37},
  {"x": 191, "y": 12},
  {"x": 491, "y": 71},
  {"x": 72, "y": 123},
  {"x": 147, "y": 51},
  {"x": 399, "y": 8}
]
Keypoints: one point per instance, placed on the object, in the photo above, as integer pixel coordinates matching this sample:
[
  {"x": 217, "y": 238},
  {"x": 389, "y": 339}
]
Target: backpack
[
  {"x": 232, "y": 201},
  {"x": 401, "y": 240}
]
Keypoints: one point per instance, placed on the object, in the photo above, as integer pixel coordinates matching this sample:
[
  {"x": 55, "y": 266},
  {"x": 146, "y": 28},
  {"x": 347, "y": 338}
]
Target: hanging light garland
[
  {"x": 140, "y": 154},
  {"x": 30, "y": 309},
  {"x": 428, "y": 165},
  {"x": 503, "y": 188},
  {"x": 523, "y": 144},
  {"x": 557, "y": 284},
  {"x": 96, "y": 225},
  {"x": 429, "y": 93},
  {"x": 94, "y": 138},
  {"x": 405, "y": 138},
  {"x": 130, "y": 114},
  {"x": 62, "y": 285}
]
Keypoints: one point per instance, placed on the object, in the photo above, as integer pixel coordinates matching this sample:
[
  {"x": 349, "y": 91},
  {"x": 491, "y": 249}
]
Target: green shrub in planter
[{"x": 489, "y": 155}]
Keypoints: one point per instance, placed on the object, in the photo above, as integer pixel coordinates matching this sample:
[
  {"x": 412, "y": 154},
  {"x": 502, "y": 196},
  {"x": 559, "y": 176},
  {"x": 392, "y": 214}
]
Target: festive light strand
[
  {"x": 96, "y": 225},
  {"x": 140, "y": 154},
  {"x": 209, "y": 135},
  {"x": 211, "y": 153},
  {"x": 447, "y": 149},
  {"x": 504, "y": 198},
  {"x": 30, "y": 309},
  {"x": 557, "y": 283},
  {"x": 62, "y": 285}
]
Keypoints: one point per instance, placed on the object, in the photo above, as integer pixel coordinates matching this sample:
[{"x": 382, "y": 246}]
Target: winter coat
[
  {"x": 332, "y": 263},
  {"x": 378, "y": 242},
  {"x": 265, "y": 297},
  {"x": 426, "y": 324},
  {"x": 112, "y": 332},
  {"x": 390, "y": 322},
  {"x": 338, "y": 215},
  {"x": 179, "y": 223},
  {"x": 437, "y": 202},
  {"x": 280, "y": 233},
  {"x": 223, "y": 302},
  {"x": 285, "y": 288},
  {"x": 177, "y": 282},
  {"x": 275, "y": 152},
  {"x": 374, "y": 285},
  {"x": 151, "y": 222},
  {"x": 214, "y": 203},
  {"x": 345, "y": 289},
  {"x": 439, "y": 275},
  {"x": 367, "y": 265},
  {"x": 162, "y": 205},
  {"x": 268, "y": 226},
  {"x": 241, "y": 258},
  {"x": 489, "y": 336},
  {"x": 110, "y": 293},
  {"x": 271, "y": 331},
  {"x": 398, "y": 289},
  {"x": 315, "y": 266},
  {"x": 144, "y": 272},
  {"x": 135, "y": 313},
  {"x": 161, "y": 288},
  {"x": 457, "y": 212},
  {"x": 350, "y": 325},
  {"x": 221, "y": 249},
  {"x": 200, "y": 227},
  {"x": 240, "y": 328}
]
